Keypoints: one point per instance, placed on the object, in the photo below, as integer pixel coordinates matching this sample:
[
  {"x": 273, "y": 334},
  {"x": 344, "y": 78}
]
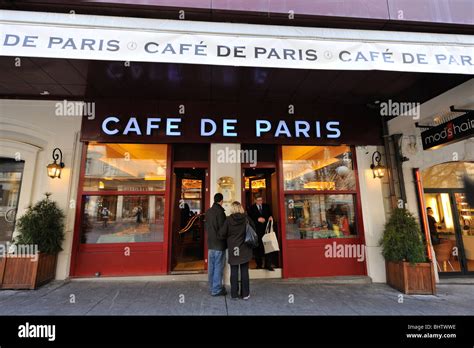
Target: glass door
[
  {"x": 465, "y": 214},
  {"x": 11, "y": 172},
  {"x": 187, "y": 227},
  {"x": 452, "y": 234}
]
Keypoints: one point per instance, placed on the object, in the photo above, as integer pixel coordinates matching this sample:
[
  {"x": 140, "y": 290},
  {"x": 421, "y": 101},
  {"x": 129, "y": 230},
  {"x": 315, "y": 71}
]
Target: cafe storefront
[
  {"x": 176, "y": 111},
  {"x": 139, "y": 172}
]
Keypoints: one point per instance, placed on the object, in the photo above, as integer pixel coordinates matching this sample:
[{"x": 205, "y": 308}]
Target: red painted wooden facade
[{"x": 299, "y": 258}]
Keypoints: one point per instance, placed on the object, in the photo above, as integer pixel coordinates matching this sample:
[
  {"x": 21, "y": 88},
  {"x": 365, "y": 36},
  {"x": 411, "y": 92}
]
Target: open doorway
[
  {"x": 450, "y": 217},
  {"x": 262, "y": 182},
  {"x": 187, "y": 227}
]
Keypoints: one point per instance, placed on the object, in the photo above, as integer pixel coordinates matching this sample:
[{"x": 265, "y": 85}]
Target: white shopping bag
[{"x": 269, "y": 239}]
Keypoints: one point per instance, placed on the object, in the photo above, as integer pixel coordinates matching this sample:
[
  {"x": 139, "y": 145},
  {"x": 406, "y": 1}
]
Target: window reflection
[
  {"x": 466, "y": 214},
  {"x": 447, "y": 175},
  {"x": 320, "y": 216},
  {"x": 318, "y": 168},
  {"x": 125, "y": 167},
  {"x": 11, "y": 172},
  {"x": 122, "y": 219}
]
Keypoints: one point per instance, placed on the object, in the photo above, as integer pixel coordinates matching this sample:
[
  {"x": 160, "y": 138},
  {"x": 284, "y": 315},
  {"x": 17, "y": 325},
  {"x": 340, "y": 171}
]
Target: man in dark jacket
[
  {"x": 260, "y": 213},
  {"x": 432, "y": 226},
  {"x": 215, "y": 218}
]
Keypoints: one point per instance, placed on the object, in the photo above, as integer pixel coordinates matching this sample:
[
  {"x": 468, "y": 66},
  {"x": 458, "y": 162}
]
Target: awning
[{"x": 73, "y": 36}]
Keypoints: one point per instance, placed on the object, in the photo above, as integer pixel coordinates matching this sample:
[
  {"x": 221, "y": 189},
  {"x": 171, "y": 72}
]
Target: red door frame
[
  {"x": 422, "y": 211},
  {"x": 187, "y": 164},
  {"x": 78, "y": 220},
  {"x": 264, "y": 165},
  {"x": 308, "y": 243},
  {"x": 77, "y": 247}
]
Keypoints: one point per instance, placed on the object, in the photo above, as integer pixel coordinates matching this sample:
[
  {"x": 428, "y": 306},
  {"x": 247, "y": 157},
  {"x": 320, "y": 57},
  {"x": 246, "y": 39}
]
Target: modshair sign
[
  {"x": 449, "y": 132},
  {"x": 171, "y": 42}
]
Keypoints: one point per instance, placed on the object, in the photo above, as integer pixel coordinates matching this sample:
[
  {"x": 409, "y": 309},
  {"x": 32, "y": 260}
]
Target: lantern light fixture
[
  {"x": 55, "y": 168},
  {"x": 377, "y": 169}
]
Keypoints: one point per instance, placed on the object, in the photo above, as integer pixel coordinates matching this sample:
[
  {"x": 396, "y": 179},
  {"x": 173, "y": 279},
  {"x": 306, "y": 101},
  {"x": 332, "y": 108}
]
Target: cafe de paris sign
[{"x": 227, "y": 127}]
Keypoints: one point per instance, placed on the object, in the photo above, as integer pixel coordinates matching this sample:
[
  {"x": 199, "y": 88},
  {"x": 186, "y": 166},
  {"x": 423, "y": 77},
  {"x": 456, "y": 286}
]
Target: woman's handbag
[
  {"x": 251, "y": 238},
  {"x": 269, "y": 239}
]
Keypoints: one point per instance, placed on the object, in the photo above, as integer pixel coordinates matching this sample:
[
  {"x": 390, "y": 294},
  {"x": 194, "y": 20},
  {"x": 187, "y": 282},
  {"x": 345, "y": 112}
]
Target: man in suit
[{"x": 261, "y": 213}]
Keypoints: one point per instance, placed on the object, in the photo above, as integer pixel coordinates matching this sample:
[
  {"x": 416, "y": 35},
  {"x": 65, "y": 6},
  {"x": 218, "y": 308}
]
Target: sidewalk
[{"x": 268, "y": 297}]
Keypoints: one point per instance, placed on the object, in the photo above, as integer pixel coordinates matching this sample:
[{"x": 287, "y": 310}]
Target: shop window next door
[
  {"x": 451, "y": 229},
  {"x": 11, "y": 172}
]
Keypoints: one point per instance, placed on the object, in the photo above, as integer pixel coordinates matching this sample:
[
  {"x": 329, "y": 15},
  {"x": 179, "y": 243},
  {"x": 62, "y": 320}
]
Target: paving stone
[{"x": 268, "y": 297}]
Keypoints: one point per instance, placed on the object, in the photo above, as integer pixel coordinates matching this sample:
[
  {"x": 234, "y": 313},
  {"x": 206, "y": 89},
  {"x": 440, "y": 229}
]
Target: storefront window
[
  {"x": 448, "y": 175},
  {"x": 318, "y": 168},
  {"x": 325, "y": 213},
  {"x": 449, "y": 215},
  {"x": 125, "y": 167},
  {"x": 122, "y": 219},
  {"x": 131, "y": 209},
  {"x": 320, "y": 216}
]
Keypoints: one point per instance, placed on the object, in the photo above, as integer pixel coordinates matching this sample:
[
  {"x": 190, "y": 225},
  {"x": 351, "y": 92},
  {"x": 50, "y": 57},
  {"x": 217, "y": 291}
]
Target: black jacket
[
  {"x": 254, "y": 214},
  {"x": 215, "y": 218},
  {"x": 234, "y": 232},
  {"x": 433, "y": 230}
]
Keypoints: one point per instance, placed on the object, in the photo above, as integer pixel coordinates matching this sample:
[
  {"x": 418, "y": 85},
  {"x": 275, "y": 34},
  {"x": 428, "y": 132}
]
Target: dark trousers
[
  {"x": 260, "y": 255},
  {"x": 244, "y": 280}
]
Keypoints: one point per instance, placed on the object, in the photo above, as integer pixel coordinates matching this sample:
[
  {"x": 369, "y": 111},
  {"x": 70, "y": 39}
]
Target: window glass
[
  {"x": 447, "y": 175},
  {"x": 315, "y": 216},
  {"x": 11, "y": 172},
  {"x": 316, "y": 168},
  {"x": 125, "y": 167},
  {"x": 122, "y": 219}
]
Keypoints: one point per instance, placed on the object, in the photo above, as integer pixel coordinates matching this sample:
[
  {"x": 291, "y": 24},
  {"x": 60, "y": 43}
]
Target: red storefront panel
[
  {"x": 113, "y": 260},
  {"x": 307, "y": 259}
]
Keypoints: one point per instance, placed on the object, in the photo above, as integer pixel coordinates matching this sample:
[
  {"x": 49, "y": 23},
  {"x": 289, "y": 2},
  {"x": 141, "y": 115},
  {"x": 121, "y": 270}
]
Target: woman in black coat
[{"x": 240, "y": 254}]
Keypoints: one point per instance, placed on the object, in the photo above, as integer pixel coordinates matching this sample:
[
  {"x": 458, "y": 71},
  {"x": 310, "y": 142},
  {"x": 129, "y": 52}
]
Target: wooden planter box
[
  {"x": 416, "y": 279},
  {"x": 23, "y": 272}
]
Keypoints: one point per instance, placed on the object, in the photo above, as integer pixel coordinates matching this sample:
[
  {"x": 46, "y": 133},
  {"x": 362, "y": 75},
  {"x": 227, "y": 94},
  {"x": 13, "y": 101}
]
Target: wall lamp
[
  {"x": 54, "y": 169},
  {"x": 377, "y": 169}
]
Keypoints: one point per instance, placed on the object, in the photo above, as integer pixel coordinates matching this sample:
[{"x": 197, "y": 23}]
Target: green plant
[
  {"x": 42, "y": 225},
  {"x": 402, "y": 238}
]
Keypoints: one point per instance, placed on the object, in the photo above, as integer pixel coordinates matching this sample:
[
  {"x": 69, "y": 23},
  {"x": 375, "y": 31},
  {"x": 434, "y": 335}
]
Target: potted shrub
[
  {"x": 407, "y": 267},
  {"x": 31, "y": 262}
]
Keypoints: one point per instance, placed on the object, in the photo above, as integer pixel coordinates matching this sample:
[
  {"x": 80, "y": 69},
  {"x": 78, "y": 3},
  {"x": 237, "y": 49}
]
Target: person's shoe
[
  {"x": 234, "y": 298},
  {"x": 259, "y": 267},
  {"x": 270, "y": 268},
  {"x": 246, "y": 298},
  {"x": 223, "y": 292}
]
